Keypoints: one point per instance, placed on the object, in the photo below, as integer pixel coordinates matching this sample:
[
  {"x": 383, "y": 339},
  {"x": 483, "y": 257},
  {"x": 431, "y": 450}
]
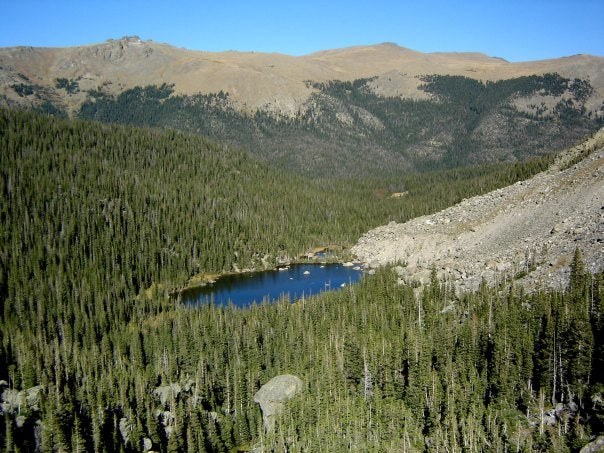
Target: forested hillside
[
  {"x": 382, "y": 369},
  {"x": 348, "y": 129},
  {"x": 178, "y": 204},
  {"x": 101, "y": 222}
]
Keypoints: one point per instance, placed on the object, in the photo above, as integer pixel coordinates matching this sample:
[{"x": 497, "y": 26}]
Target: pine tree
[
  {"x": 9, "y": 437},
  {"x": 578, "y": 340}
]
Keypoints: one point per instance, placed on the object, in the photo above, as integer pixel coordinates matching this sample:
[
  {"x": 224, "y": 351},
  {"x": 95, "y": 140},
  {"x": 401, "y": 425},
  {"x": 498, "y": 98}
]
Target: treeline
[
  {"x": 481, "y": 96},
  {"x": 101, "y": 222},
  {"x": 457, "y": 112},
  {"x": 347, "y": 129}
]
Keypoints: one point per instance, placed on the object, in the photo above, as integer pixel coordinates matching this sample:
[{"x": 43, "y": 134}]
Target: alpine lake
[{"x": 294, "y": 282}]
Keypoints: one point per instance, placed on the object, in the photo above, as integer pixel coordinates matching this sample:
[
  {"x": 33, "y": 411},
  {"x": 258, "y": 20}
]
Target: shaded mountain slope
[{"x": 347, "y": 129}]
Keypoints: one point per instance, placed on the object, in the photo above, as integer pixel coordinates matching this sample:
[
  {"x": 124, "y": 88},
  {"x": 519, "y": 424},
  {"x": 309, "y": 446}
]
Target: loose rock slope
[{"x": 527, "y": 231}]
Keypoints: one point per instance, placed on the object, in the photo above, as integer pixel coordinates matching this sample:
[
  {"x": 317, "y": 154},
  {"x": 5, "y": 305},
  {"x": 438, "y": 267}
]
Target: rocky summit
[{"x": 527, "y": 231}]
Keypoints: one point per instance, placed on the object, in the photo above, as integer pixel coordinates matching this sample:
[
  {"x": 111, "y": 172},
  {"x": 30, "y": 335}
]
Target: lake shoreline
[
  {"x": 298, "y": 277},
  {"x": 208, "y": 278},
  {"x": 340, "y": 256}
]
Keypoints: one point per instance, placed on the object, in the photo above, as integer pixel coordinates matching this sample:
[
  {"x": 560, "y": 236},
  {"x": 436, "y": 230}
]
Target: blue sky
[{"x": 517, "y": 30}]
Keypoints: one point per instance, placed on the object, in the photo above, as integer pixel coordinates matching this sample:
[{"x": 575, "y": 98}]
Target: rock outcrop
[
  {"x": 594, "y": 447},
  {"x": 12, "y": 400},
  {"x": 527, "y": 231},
  {"x": 167, "y": 392},
  {"x": 168, "y": 395},
  {"x": 273, "y": 395}
]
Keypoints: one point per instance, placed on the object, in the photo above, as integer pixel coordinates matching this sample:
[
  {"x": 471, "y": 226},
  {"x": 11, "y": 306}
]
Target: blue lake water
[{"x": 300, "y": 280}]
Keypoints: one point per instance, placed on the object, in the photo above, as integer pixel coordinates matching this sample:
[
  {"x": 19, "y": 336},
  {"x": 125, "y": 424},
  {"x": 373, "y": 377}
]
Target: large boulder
[
  {"x": 12, "y": 400},
  {"x": 273, "y": 395},
  {"x": 167, "y": 393},
  {"x": 595, "y": 446},
  {"x": 33, "y": 395}
]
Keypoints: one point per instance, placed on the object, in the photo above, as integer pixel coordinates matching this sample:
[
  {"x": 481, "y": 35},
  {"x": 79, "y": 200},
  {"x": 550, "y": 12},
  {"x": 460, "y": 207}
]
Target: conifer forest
[{"x": 102, "y": 224}]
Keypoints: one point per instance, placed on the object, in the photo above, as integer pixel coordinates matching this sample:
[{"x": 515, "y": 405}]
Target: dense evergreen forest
[
  {"x": 180, "y": 204},
  {"x": 348, "y": 129},
  {"x": 100, "y": 223}
]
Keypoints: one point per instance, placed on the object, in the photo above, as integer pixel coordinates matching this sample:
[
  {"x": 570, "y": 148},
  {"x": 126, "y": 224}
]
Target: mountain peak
[
  {"x": 133, "y": 38},
  {"x": 389, "y": 44}
]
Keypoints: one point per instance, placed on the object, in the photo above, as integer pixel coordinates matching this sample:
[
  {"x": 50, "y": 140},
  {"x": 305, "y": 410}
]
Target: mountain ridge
[
  {"x": 353, "y": 111},
  {"x": 254, "y": 79}
]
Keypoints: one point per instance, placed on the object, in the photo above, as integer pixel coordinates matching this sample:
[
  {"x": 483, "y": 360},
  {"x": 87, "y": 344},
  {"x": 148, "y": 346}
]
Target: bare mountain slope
[
  {"x": 272, "y": 82},
  {"x": 366, "y": 110},
  {"x": 528, "y": 231}
]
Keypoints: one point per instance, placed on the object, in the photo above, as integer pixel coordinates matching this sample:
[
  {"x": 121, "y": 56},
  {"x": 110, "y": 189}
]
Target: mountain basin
[{"x": 296, "y": 281}]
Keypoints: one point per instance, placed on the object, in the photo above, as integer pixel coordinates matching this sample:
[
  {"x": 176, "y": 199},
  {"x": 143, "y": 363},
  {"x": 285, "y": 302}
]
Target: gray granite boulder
[
  {"x": 273, "y": 395},
  {"x": 595, "y": 446}
]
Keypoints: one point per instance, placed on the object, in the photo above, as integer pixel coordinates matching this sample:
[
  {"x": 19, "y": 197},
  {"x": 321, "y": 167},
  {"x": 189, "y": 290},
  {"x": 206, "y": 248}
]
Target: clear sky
[{"x": 517, "y": 30}]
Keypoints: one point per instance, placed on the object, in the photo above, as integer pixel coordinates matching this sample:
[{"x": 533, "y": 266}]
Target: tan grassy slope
[
  {"x": 272, "y": 81},
  {"x": 527, "y": 231}
]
